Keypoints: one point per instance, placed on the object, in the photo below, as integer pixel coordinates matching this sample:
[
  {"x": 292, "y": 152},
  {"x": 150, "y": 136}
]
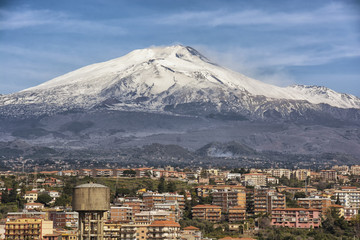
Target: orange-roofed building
[
  {"x": 163, "y": 230},
  {"x": 191, "y": 233}
]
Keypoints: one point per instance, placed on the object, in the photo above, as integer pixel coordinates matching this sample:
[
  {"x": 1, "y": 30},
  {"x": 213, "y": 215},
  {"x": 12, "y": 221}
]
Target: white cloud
[
  {"x": 13, "y": 20},
  {"x": 331, "y": 13}
]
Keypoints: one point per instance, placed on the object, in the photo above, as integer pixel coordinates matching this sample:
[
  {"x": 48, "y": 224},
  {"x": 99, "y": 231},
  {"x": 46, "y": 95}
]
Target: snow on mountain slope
[{"x": 154, "y": 77}]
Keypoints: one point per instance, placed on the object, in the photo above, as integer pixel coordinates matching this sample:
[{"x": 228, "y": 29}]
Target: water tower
[{"x": 91, "y": 200}]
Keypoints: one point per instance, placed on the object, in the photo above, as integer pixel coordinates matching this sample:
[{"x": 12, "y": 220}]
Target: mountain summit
[
  {"x": 176, "y": 79},
  {"x": 174, "y": 95}
]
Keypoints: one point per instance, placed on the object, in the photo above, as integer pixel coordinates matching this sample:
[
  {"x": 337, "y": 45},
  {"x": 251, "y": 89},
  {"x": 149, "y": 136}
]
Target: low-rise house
[
  {"x": 103, "y": 172},
  {"x": 191, "y": 233},
  {"x": 31, "y": 196},
  {"x": 33, "y": 206}
]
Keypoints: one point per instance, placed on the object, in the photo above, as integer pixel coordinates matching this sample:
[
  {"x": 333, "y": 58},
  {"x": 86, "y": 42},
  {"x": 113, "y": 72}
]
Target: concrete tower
[{"x": 91, "y": 200}]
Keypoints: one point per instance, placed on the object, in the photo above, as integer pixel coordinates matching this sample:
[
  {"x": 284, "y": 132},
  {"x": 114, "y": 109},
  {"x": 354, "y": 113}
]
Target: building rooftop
[
  {"x": 164, "y": 224},
  {"x": 191, "y": 228},
  {"x": 90, "y": 185}
]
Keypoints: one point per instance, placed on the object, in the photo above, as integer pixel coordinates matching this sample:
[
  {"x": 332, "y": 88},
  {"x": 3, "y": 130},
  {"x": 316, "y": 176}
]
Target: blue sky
[{"x": 281, "y": 42}]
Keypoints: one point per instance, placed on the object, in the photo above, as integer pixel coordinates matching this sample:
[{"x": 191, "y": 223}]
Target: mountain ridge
[
  {"x": 155, "y": 78},
  {"x": 174, "y": 95}
]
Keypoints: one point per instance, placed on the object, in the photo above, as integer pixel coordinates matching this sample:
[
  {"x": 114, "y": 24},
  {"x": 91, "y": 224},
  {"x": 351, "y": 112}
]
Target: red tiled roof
[{"x": 191, "y": 228}]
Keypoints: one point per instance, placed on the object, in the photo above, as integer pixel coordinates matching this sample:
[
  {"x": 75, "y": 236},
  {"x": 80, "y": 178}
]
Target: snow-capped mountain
[{"x": 174, "y": 79}]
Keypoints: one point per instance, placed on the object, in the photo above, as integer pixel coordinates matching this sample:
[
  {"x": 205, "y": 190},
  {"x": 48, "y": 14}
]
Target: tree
[
  {"x": 68, "y": 189},
  {"x": 44, "y": 198},
  {"x": 5, "y": 196},
  {"x": 171, "y": 186},
  {"x": 122, "y": 191},
  {"x": 334, "y": 223},
  {"x": 338, "y": 200},
  {"x": 129, "y": 173},
  {"x": 162, "y": 185},
  {"x": 63, "y": 200},
  {"x": 299, "y": 195}
]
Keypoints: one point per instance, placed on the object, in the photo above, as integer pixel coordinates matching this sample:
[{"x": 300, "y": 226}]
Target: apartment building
[
  {"x": 207, "y": 212},
  {"x": 296, "y": 218},
  {"x": 135, "y": 203},
  {"x": 301, "y": 174},
  {"x": 281, "y": 172},
  {"x": 349, "y": 198},
  {"x": 28, "y": 228},
  {"x": 267, "y": 199},
  {"x": 150, "y": 216},
  {"x": 328, "y": 175},
  {"x": 103, "y": 172},
  {"x": 237, "y": 214},
  {"x": 254, "y": 179},
  {"x": 86, "y": 172},
  {"x": 152, "y": 198},
  {"x": 344, "y": 169},
  {"x": 163, "y": 230},
  {"x": 229, "y": 198},
  {"x": 11, "y": 216},
  {"x": 355, "y": 170},
  {"x": 206, "y": 190},
  {"x": 64, "y": 219},
  {"x": 315, "y": 203},
  {"x": 121, "y": 214},
  {"x": 112, "y": 230}
]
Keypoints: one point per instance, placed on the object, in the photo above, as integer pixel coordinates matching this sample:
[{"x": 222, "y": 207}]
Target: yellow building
[
  {"x": 28, "y": 228},
  {"x": 31, "y": 196}
]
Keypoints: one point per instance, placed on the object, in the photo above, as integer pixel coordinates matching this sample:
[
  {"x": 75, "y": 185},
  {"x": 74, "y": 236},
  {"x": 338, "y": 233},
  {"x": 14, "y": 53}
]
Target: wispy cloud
[
  {"x": 13, "y": 20},
  {"x": 331, "y": 13}
]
